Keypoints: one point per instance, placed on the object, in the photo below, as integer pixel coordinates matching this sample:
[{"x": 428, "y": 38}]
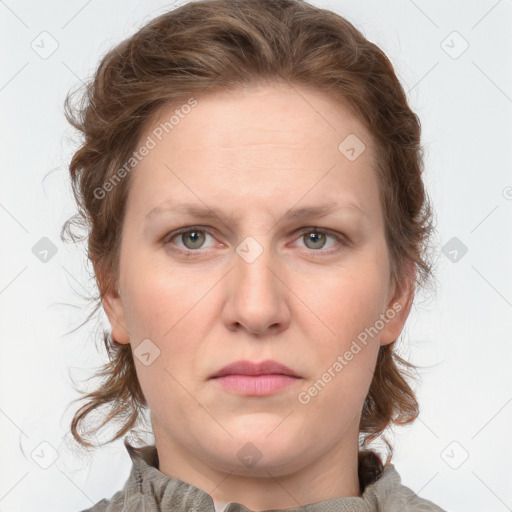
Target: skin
[{"x": 255, "y": 154}]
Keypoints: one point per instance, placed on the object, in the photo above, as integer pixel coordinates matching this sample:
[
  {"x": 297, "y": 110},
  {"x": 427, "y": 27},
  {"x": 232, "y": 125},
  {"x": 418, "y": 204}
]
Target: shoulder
[
  {"x": 391, "y": 495},
  {"x": 128, "y": 498},
  {"x": 115, "y": 504}
]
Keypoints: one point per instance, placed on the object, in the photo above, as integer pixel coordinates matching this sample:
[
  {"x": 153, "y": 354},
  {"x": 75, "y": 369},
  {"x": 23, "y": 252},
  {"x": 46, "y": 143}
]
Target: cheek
[
  {"x": 158, "y": 309},
  {"x": 335, "y": 395},
  {"x": 158, "y": 296},
  {"x": 171, "y": 309},
  {"x": 342, "y": 304},
  {"x": 346, "y": 306}
]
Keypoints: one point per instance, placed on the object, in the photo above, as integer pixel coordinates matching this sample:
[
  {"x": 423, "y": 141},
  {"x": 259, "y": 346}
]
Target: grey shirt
[{"x": 149, "y": 490}]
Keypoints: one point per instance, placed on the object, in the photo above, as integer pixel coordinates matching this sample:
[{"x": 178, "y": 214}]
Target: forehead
[
  {"x": 263, "y": 144},
  {"x": 274, "y": 113}
]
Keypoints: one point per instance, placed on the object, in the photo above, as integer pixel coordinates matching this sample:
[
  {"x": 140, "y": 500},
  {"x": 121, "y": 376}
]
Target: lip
[
  {"x": 255, "y": 379},
  {"x": 248, "y": 368}
]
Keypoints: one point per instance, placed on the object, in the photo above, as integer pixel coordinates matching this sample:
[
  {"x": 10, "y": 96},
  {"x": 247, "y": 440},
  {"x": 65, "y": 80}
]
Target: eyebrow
[{"x": 292, "y": 214}]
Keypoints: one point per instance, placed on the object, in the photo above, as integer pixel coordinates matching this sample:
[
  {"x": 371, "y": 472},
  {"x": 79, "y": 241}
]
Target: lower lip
[{"x": 255, "y": 385}]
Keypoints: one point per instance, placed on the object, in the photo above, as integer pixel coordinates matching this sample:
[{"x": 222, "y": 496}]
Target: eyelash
[{"x": 166, "y": 241}]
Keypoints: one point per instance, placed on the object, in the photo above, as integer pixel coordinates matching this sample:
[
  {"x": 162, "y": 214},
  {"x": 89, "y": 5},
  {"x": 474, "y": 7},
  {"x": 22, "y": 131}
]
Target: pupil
[
  {"x": 195, "y": 238},
  {"x": 315, "y": 237}
]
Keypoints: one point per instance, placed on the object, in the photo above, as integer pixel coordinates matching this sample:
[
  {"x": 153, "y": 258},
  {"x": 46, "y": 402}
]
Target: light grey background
[{"x": 458, "y": 452}]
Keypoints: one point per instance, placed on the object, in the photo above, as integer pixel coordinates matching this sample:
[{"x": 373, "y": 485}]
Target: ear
[
  {"x": 399, "y": 304},
  {"x": 114, "y": 309}
]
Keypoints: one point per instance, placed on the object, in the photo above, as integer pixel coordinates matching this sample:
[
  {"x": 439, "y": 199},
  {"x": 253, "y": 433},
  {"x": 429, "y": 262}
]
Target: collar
[{"x": 147, "y": 485}]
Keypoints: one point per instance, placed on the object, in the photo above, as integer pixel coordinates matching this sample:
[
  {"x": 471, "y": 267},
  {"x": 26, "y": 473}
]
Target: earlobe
[
  {"x": 398, "y": 308},
  {"x": 114, "y": 309}
]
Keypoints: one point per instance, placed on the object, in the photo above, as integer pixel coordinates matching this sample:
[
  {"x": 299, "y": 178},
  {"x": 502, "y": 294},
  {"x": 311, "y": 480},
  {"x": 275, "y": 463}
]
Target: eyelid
[
  {"x": 173, "y": 234},
  {"x": 340, "y": 237},
  {"x": 166, "y": 240}
]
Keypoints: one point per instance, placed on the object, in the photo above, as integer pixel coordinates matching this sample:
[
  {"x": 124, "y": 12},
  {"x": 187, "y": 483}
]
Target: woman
[{"x": 250, "y": 179}]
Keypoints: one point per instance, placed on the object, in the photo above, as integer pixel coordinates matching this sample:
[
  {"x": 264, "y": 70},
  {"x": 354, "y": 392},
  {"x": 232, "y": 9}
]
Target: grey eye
[
  {"x": 196, "y": 238},
  {"x": 316, "y": 238}
]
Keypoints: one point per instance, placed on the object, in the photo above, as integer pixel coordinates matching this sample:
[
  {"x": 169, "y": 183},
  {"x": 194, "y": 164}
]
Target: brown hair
[{"x": 217, "y": 45}]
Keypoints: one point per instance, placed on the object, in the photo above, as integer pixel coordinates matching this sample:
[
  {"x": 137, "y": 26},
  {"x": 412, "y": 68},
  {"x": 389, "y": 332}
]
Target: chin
[{"x": 257, "y": 451}]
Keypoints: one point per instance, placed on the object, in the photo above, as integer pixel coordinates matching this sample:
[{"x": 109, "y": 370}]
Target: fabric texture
[{"x": 149, "y": 490}]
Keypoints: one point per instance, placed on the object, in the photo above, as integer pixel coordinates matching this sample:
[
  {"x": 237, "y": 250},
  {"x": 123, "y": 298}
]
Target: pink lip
[
  {"x": 255, "y": 385},
  {"x": 248, "y": 378},
  {"x": 266, "y": 367}
]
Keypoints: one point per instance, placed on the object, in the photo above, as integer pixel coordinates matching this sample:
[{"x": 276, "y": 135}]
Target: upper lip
[{"x": 244, "y": 367}]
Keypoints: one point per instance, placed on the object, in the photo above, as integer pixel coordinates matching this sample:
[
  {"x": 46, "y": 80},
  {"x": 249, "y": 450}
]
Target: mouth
[
  {"x": 255, "y": 379},
  {"x": 248, "y": 368}
]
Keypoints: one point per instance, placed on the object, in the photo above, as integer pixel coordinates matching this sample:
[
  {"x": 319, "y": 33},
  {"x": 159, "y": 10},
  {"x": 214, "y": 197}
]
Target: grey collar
[{"x": 146, "y": 484}]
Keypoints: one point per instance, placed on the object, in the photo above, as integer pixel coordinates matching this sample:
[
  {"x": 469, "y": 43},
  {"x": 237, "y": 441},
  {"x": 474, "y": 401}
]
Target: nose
[{"x": 256, "y": 295}]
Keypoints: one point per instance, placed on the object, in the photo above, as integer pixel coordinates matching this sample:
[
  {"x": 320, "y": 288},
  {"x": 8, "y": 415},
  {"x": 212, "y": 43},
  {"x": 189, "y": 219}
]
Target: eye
[
  {"x": 192, "y": 239},
  {"x": 315, "y": 238}
]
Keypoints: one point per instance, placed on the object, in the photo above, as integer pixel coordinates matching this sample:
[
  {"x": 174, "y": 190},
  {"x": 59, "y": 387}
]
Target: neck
[{"x": 331, "y": 475}]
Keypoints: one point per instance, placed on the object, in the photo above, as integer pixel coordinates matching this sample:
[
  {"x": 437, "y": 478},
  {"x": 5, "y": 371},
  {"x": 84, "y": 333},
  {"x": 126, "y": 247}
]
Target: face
[{"x": 254, "y": 282}]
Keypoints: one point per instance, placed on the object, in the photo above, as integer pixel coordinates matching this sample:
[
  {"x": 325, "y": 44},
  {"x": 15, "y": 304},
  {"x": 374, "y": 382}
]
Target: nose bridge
[
  {"x": 257, "y": 300},
  {"x": 252, "y": 268}
]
